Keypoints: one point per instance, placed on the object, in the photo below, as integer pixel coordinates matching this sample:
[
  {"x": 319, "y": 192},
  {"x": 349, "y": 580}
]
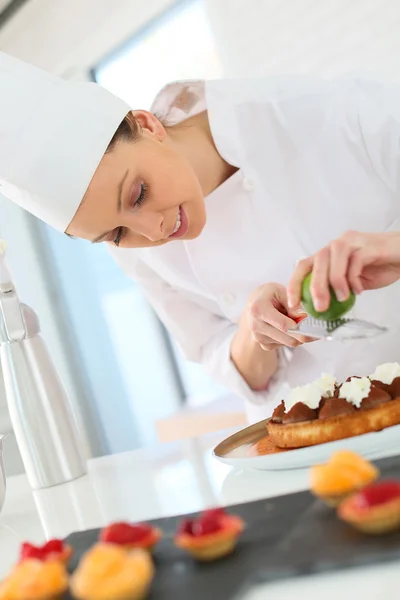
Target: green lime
[{"x": 336, "y": 309}]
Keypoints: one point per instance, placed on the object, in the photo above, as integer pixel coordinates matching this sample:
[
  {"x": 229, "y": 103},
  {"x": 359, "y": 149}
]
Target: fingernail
[
  {"x": 341, "y": 295},
  {"x": 357, "y": 289},
  {"x": 319, "y": 305},
  {"x": 298, "y": 311}
]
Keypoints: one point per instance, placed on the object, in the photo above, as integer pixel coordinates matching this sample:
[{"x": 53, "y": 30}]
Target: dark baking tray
[{"x": 284, "y": 537}]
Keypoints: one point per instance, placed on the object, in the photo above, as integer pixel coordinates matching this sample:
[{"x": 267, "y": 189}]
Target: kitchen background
[{"x": 119, "y": 365}]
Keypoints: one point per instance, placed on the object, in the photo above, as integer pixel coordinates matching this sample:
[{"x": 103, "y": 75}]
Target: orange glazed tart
[
  {"x": 344, "y": 474},
  {"x": 108, "y": 572},
  {"x": 131, "y": 536},
  {"x": 375, "y": 509},
  {"x": 213, "y": 535},
  {"x": 35, "y": 579},
  {"x": 51, "y": 550}
]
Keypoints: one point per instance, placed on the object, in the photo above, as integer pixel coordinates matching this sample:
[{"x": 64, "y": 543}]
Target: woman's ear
[{"x": 148, "y": 122}]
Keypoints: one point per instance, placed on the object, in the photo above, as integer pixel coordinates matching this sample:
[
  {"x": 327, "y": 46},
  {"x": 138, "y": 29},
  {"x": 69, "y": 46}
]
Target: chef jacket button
[
  {"x": 248, "y": 184},
  {"x": 228, "y": 298}
]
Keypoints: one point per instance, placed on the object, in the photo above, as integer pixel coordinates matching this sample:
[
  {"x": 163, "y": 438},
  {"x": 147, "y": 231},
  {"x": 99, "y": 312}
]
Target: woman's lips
[{"x": 184, "y": 226}]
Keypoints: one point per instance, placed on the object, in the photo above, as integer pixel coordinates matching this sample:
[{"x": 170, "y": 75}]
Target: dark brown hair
[{"x": 129, "y": 130}]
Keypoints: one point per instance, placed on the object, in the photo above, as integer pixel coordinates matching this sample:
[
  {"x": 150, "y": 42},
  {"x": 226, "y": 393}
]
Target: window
[{"x": 178, "y": 45}]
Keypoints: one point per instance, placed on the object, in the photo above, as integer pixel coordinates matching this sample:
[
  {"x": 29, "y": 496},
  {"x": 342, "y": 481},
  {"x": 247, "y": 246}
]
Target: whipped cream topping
[
  {"x": 326, "y": 384},
  {"x": 355, "y": 390},
  {"x": 309, "y": 394},
  {"x": 386, "y": 373}
]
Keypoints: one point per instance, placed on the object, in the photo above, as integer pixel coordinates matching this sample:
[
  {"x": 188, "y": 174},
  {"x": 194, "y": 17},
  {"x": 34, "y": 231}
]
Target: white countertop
[{"x": 163, "y": 481}]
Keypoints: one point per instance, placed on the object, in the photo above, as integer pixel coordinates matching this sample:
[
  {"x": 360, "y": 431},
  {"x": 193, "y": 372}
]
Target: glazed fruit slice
[
  {"x": 52, "y": 550},
  {"x": 375, "y": 509},
  {"x": 344, "y": 474},
  {"x": 212, "y": 535},
  {"x": 35, "y": 580},
  {"x": 131, "y": 535},
  {"x": 109, "y": 572}
]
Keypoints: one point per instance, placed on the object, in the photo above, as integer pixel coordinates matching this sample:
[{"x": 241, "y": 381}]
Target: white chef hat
[{"x": 53, "y": 134}]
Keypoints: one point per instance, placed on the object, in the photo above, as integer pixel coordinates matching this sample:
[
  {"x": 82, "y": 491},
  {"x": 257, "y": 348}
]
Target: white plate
[{"x": 233, "y": 450}]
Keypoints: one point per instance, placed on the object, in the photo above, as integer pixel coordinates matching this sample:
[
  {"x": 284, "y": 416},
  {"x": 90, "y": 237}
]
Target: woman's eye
[
  {"x": 138, "y": 202},
  {"x": 119, "y": 237},
  {"x": 142, "y": 195}
]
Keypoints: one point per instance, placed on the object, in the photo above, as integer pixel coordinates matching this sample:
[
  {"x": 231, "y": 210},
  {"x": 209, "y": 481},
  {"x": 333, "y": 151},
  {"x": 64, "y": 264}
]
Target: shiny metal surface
[
  {"x": 40, "y": 412},
  {"x": 2, "y": 475},
  {"x": 13, "y": 326},
  {"x": 41, "y": 415},
  {"x": 340, "y": 329},
  {"x": 249, "y": 435}
]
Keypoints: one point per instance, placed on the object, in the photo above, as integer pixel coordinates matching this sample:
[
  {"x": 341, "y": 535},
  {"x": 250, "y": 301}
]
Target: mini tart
[
  {"x": 130, "y": 536},
  {"x": 344, "y": 474},
  {"x": 107, "y": 572},
  {"x": 52, "y": 550},
  {"x": 322, "y": 431},
  {"x": 35, "y": 579},
  {"x": 375, "y": 509},
  {"x": 210, "y": 537}
]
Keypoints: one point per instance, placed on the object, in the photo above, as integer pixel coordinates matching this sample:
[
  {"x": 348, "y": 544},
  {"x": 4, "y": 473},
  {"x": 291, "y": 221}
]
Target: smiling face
[{"x": 143, "y": 193}]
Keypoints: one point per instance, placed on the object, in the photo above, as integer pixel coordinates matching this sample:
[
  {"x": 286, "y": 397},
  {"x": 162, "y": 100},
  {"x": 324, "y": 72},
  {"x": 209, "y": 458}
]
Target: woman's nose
[{"x": 150, "y": 225}]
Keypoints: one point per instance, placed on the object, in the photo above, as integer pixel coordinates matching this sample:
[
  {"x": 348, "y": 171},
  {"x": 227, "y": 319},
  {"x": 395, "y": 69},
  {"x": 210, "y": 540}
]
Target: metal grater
[{"x": 340, "y": 329}]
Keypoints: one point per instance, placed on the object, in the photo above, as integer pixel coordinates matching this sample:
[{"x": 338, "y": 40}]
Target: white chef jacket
[{"x": 316, "y": 158}]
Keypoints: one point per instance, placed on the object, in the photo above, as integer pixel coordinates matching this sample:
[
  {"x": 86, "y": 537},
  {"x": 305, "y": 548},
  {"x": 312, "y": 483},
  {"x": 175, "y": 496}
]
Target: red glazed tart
[
  {"x": 211, "y": 536},
  {"x": 375, "y": 509},
  {"x": 131, "y": 535},
  {"x": 52, "y": 550}
]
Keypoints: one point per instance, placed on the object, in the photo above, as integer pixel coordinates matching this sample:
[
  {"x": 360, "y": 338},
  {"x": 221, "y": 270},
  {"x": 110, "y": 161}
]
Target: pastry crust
[
  {"x": 35, "y": 580},
  {"x": 376, "y": 520},
  {"x": 322, "y": 431},
  {"x": 215, "y": 545}
]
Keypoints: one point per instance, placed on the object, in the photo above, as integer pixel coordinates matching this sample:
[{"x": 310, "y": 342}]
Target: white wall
[
  {"x": 258, "y": 37},
  {"x": 254, "y": 37},
  {"x": 69, "y": 36}
]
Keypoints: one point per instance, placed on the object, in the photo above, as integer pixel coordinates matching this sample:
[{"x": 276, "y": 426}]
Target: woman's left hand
[{"x": 355, "y": 261}]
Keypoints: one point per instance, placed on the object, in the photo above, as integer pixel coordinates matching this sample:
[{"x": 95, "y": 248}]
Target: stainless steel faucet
[{"x": 40, "y": 412}]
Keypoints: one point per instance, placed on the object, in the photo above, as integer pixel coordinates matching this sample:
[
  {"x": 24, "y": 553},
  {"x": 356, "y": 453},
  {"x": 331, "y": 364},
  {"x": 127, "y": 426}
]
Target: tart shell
[
  {"x": 375, "y": 520},
  {"x": 212, "y": 545},
  {"x": 312, "y": 433}
]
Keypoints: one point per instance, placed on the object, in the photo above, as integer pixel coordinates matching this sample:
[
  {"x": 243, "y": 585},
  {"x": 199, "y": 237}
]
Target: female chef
[{"x": 211, "y": 199}]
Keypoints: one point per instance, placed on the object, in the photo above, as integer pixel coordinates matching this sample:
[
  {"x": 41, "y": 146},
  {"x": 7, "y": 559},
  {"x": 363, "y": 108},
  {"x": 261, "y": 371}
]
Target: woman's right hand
[
  {"x": 269, "y": 318},
  {"x": 263, "y": 328}
]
